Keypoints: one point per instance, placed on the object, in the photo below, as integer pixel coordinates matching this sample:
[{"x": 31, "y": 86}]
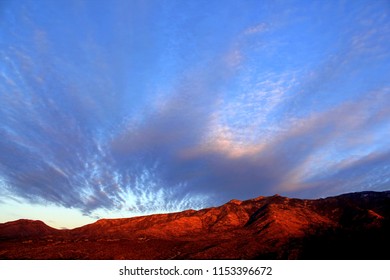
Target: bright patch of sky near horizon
[{"x": 121, "y": 108}]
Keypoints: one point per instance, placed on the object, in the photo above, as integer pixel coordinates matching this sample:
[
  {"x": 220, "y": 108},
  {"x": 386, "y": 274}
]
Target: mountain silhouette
[{"x": 349, "y": 226}]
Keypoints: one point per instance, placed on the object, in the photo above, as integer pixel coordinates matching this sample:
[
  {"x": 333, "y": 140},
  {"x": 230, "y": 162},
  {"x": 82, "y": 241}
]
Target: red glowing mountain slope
[{"x": 350, "y": 226}]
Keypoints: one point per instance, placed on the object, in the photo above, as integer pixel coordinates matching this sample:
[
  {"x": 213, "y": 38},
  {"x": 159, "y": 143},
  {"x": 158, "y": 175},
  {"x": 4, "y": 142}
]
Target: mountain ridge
[{"x": 273, "y": 227}]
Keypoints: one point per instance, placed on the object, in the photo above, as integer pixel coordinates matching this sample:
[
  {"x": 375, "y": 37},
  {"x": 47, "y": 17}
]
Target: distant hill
[
  {"x": 25, "y": 229},
  {"x": 349, "y": 226}
]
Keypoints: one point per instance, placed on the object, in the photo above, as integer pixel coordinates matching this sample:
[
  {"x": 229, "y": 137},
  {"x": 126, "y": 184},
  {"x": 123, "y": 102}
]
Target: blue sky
[{"x": 122, "y": 108}]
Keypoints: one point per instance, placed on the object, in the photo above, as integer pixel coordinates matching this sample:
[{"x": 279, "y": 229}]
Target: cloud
[
  {"x": 329, "y": 132},
  {"x": 261, "y": 27},
  {"x": 77, "y": 145},
  {"x": 369, "y": 172},
  {"x": 179, "y": 155},
  {"x": 281, "y": 163}
]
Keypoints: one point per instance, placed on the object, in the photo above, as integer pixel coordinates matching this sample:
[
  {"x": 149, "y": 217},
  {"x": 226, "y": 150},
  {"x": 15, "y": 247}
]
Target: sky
[{"x": 114, "y": 109}]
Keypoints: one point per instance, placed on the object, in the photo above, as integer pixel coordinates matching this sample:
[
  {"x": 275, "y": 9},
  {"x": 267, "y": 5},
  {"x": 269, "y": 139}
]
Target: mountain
[
  {"x": 25, "y": 229},
  {"x": 349, "y": 226}
]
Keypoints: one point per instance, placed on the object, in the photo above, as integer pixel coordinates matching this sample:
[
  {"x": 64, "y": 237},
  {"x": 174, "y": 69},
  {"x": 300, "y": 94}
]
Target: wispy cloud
[{"x": 261, "y": 27}]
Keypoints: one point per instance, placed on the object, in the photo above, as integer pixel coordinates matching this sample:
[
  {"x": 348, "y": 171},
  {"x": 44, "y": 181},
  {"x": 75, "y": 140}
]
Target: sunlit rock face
[{"x": 350, "y": 226}]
